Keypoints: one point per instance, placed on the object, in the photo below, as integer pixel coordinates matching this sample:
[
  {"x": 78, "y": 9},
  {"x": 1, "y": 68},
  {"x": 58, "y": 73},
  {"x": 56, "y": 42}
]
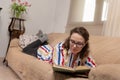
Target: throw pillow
[{"x": 25, "y": 40}]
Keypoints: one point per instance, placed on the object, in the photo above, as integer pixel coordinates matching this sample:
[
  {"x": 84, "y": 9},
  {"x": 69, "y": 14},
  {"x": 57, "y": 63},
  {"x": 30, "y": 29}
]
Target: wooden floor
[{"x": 6, "y": 73}]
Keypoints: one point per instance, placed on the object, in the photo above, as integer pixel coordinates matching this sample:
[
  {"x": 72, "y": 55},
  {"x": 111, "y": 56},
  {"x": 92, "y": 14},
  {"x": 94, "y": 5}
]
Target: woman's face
[{"x": 77, "y": 42}]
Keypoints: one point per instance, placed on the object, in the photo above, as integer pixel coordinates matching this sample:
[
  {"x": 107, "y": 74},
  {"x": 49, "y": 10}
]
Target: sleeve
[
  {"x": 90, "y": 62},
  {"x": 45, "y": 53}
]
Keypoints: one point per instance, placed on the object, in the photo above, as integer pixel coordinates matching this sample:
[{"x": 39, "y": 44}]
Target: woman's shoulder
[{"x": 91, "y": 61}]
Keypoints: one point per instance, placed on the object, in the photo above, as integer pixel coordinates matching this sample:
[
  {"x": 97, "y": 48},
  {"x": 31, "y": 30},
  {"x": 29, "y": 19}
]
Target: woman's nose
[{"x": 74, "y": 45}]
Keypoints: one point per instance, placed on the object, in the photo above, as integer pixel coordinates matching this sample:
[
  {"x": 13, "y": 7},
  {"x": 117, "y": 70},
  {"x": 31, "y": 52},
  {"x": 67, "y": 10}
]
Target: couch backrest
[
  {"x": 105, "y": 50},
  {"x": 55, "y": 38}
]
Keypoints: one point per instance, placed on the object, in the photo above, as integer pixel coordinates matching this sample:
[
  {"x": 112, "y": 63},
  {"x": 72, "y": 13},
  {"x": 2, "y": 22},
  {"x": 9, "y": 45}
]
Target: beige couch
[{"x": 105, "y": 51}]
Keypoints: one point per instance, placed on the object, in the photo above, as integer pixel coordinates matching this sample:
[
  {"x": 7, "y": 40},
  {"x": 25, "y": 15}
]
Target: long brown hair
[{"x": 84, "y": 33}]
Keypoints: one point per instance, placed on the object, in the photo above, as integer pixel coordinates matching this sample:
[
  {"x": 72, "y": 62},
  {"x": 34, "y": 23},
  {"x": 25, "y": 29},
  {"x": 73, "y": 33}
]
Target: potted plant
[
  {"x": 18, "y": 8},
  {"x": 16, "y": 26}
]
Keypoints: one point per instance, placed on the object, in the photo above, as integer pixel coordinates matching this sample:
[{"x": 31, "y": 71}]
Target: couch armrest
[
  {"x": 105, "y": 72},
  {"x": 28, "y": 67},
  {"x": 14, "y": 42}
]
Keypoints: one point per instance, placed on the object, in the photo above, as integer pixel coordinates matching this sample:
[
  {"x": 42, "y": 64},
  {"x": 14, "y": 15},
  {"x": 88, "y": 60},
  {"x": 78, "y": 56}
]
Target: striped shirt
[{"x": 58, "y": 56}]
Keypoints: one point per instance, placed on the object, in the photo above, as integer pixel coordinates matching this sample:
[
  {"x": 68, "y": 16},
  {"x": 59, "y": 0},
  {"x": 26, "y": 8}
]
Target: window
[
  {"x": 89, "y": 11},
  {"x": 104, "y": 11}
]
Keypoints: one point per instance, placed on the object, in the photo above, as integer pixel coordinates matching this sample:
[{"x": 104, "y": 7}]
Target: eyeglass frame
[{"x": 78, "y": 44}]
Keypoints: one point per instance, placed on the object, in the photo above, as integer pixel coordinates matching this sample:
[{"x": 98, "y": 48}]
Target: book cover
[{"x": 79, "y": 69}]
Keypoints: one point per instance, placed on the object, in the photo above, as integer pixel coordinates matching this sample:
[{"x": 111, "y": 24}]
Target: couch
[{"x": 105, "y": 51}]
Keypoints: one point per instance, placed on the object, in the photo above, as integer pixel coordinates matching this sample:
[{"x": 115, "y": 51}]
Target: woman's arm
[{"x": 90, "y": 62}]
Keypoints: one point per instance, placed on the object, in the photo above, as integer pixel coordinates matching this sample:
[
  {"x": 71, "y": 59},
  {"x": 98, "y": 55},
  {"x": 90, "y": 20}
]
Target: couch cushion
[{"x": 105, "y": 72}]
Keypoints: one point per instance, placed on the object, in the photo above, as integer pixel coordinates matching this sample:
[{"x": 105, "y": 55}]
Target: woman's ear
[{"x": 86, "y": 42}]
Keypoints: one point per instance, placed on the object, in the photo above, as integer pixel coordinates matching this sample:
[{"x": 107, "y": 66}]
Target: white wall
[
  {"x": 4, "y": 21},
  {"x": 47, "y": 15},
  {"x": 61, "y": 16}
]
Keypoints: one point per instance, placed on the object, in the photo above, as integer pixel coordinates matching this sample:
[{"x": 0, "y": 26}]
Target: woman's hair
[{"x": 84, "y": 33}]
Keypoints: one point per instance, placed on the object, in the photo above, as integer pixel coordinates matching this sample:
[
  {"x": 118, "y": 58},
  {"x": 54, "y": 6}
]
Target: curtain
[{"x": 111, "y": 26}]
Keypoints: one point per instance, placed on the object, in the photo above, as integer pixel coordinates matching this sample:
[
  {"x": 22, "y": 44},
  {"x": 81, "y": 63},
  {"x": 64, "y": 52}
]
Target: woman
[{"x": 71, "y": 53}]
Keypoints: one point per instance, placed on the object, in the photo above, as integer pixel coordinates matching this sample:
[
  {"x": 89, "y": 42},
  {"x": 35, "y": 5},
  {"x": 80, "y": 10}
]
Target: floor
[{"x": 6, "y": 73}]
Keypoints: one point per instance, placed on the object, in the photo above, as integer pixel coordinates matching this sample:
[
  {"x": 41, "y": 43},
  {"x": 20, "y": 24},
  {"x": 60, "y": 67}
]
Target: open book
[{"x": 79, "y": 69}]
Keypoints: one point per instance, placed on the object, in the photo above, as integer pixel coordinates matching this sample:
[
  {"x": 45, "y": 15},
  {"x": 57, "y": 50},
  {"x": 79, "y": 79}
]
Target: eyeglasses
[{"x": 78, "y": 44}]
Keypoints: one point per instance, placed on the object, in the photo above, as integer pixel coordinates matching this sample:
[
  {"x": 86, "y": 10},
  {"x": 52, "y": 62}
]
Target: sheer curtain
[{"x": 111, "y": 26}]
